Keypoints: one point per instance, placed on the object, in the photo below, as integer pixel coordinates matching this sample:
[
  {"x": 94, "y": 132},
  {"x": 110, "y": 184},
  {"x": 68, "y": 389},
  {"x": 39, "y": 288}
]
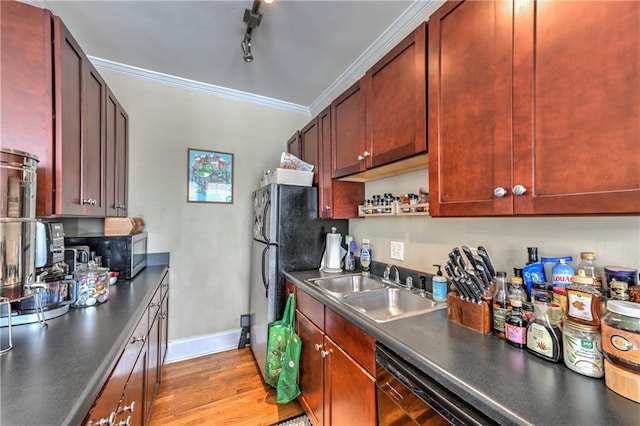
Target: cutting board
[{"x": 123, "y": 225}]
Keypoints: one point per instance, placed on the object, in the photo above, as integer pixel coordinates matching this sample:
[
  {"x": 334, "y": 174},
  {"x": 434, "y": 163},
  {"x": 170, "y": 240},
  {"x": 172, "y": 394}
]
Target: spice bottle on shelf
[
  {"x": 365, "y": 257},
  {"x": 501, "y": 305},
  {"x": 544, "y": 335}
]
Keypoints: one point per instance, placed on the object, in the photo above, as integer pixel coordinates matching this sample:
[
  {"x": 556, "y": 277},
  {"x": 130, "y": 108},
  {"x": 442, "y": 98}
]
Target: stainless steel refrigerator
[{"x": 287, "y": 236}]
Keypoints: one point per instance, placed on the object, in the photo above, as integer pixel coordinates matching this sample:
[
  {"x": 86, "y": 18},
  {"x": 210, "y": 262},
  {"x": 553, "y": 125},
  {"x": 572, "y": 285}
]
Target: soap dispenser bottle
[
  {"x": 365, "y": 257},
  {"x": 439, "y": 284}
]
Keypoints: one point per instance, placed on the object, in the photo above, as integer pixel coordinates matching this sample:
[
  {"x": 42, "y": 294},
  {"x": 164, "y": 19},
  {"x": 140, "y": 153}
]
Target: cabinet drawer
[
  {"x": 352, "y": 339},
  {"x": 310, "y": 307}
]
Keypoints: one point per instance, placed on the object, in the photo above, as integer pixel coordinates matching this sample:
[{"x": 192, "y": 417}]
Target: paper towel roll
[{"x": 333, "y": 252}]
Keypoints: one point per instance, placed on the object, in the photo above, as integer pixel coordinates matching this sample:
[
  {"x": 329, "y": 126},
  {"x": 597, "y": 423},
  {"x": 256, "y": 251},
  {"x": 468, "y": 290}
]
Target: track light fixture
[{"x": 252, "y": 17}]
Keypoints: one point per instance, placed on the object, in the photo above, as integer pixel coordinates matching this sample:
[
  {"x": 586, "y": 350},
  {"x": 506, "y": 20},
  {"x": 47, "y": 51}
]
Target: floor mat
[{"x": 302, "y": 420}]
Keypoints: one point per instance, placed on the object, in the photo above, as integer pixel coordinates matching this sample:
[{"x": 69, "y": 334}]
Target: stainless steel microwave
[{"x": 125, "y": 254}]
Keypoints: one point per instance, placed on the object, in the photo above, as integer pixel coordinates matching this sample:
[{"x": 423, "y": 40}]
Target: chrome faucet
[{"x": 387, "y": 274}]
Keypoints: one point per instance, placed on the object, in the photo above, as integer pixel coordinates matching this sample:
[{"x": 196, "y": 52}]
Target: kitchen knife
[
  {"x": 475, "y": 282},
  {"x": 484, "y": 271},
  {"x": 448, "y": 268},
  {"x": 456, "y": 252},
  {"x": 462, "y": 289},
  {"x": 482, "y": 252},
  {"x": 467, "y": 251},
  {"x": 475, "y": 293}
]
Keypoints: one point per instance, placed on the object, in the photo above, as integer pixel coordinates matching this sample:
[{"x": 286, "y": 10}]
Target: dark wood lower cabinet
[
  {"x": 349, "y": 391},
  {"x": 127, "y": 396},
  {"x": 336, "y": 379},
  {"x": 311, "y": 369}
]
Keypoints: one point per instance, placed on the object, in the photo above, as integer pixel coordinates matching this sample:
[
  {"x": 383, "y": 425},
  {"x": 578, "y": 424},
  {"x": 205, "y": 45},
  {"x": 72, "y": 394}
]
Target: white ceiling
[{"x": 304, "y": 50}]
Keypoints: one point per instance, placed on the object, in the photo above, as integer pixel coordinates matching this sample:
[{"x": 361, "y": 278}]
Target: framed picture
[{"x": 210, "y": 177}]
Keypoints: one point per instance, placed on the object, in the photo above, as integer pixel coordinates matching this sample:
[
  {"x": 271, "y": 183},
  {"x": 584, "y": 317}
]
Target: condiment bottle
[
  {"x": 365, "y": 257},
  {"x": 517, "y": 292},
  {"x": 584, "y": 302},
  {"x": 561, "y": 274},
  {"x": 533, "y": 255},
  {"x": 544, "y": 336},
  {"x": 501, "y": 305},
  {"x": 590, "y": 269},
  {"x": 515, "y": 325}
]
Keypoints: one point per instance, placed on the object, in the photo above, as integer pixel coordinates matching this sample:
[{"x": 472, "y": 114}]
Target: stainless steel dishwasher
[{"x": 407, "y": 396}]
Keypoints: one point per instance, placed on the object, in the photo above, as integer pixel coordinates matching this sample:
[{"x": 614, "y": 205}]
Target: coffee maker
[{"x": 52, "y": 276}]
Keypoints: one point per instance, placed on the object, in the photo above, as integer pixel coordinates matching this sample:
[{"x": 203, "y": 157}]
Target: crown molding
[
  {"x": 419, "y": 11},
  {"x": 185, "y": 83}
]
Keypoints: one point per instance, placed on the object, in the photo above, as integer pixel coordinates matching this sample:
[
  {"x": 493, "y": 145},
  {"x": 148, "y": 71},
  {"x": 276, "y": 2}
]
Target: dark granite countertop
[
  {"x": 509, "y": 385},
  {"x": 52, "y": 375}
]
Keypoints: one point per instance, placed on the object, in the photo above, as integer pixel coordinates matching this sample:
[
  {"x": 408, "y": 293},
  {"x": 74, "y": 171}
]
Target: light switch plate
[{"x": 396, "y": 249}]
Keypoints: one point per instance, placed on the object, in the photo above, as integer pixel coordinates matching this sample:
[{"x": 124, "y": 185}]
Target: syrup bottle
[{"x": 544, "y": 336}]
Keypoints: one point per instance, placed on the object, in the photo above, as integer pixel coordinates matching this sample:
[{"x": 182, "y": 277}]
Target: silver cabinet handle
[
  {"x": 360, "y": 158},
  {"x": 138, "y": 339},
  {"x": 519, "y": 190},
  {"x": 325, "y": 353},
  {"x": 106, "y": 421},
  {"x": 318, "y": 346},
  {"x": 499, "y": 192},
  {"x": 126, "y": 422},
  {"x": 129, "y": 408},
  {"x": 327, "y": 207},
  {"x": 366, "y": 154}
]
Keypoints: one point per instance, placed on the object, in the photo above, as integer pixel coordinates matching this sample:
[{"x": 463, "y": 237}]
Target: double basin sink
[{"x": 377, "y": 299}]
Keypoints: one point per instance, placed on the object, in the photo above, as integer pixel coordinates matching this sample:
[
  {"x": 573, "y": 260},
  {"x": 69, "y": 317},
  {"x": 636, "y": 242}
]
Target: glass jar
[
  {"x": 589, "y": 267},
  {"x": 542, "y": 292},
  {"x": 582, "y": 348},
  {"x": 621, "y": 334},
  {"x": 91, "y": 285}
]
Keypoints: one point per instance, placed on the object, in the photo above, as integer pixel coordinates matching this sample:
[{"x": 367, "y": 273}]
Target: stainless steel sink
[
  {"x": 340, "y": 285},
  {"x": 390, "y": 304}
]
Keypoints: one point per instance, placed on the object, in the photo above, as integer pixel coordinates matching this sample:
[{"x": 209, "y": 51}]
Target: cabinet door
[
  {"x": 397, "y": 102},
  {"x": 26, "y": 104},
  {"x": 470, "y": 77},
  {"x": 337, "y": 199},
  {"x": 132, "y": 409},
  {"x": 69, "y": 67},
  {"x": 311, "y": 371},
  {"x": 164, "y": 333},
  {"x": 577, "y": 107},
  {"x": 349, "y": 391},
  {"x": 153, "y": 366},
  {"x": 93, "y": 120},
  {"x": 111, "y": 168},
  {"x": 122, "y": 161},
  {"x": 310, "y": 146},
  {"x": 293, "y": 144},
  {"x": 116, "y": 145},
  {"x": 348, "y": 132}
]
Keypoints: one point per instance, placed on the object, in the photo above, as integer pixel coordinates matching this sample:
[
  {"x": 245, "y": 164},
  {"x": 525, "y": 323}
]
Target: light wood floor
[{"x": 219, "y": 389}]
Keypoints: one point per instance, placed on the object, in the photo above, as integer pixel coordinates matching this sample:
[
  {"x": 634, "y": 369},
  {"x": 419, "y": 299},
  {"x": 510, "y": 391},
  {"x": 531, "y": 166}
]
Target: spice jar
[
  {"x": 582, "y": 346},
  {"x": 619, "y": 279}
]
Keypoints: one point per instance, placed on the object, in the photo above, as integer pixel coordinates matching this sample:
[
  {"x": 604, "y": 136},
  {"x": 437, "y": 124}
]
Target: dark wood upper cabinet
[
  {"x": 534, "y": 119},
  {"x": 116, "y": 141},
  {"x": 348, "y": 132},
  {"x": 54, "y": 105},
  {"x": 310, "y": 146},
  {"x": 396, "y": 102},
  {"x": 293, "y": 144}
]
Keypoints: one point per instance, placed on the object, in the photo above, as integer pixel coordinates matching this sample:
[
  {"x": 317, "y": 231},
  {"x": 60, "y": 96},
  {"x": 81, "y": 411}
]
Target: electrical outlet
[{"x": 396, "y": 248}]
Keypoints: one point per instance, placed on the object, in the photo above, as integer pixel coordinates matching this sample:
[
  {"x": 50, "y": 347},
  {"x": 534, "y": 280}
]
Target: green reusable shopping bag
[
  {"x": 279, "y": 333},
  {"x": 288, "y": 389}
]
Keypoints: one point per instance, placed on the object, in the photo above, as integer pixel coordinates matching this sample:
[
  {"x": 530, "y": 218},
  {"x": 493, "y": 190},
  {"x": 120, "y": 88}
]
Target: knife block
[{"x": 474, "y": 316}]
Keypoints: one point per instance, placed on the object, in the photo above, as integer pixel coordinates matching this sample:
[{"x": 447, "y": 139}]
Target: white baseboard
[{"x": 193, "y": 347}]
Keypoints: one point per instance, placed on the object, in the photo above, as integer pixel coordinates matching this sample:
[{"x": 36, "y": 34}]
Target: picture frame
[{"x": 209, "y": 176}]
